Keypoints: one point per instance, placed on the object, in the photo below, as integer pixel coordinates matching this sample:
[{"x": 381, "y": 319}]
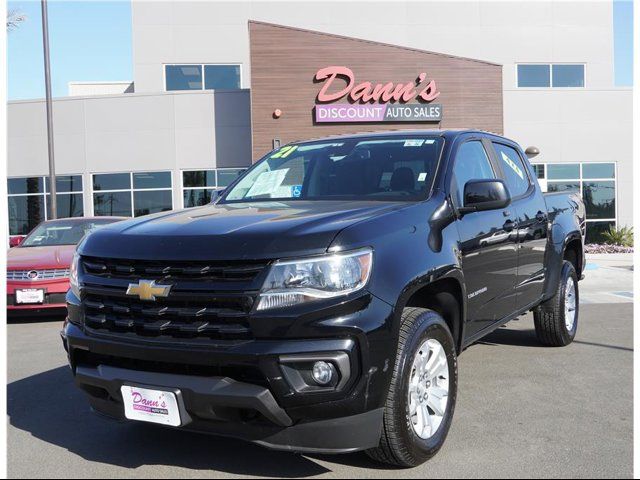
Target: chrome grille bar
[{"x": 35, "y": 275}]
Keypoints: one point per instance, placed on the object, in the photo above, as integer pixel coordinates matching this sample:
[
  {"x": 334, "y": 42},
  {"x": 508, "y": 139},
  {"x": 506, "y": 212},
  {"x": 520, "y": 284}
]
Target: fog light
[{"x": 322, "y": 373}]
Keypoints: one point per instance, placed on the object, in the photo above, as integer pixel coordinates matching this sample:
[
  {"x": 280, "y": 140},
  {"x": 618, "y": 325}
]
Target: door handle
[
  {"x": 508, "y": 225},
  {"x": 541, "y": 217}
]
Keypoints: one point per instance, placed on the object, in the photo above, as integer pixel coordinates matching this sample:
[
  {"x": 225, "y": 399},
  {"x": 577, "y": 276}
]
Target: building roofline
[
  {"x": 101, "y": 82},
  {"x": 373, "y": 42},
  {"x": 71, "y": 98}
]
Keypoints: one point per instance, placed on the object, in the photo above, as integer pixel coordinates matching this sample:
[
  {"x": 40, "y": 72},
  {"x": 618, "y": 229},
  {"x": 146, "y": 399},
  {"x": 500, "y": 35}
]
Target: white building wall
[
  {"x": 568, "y": 125},
  {"x": 131, "y": 133},
  {"x": 502, "y": 32}
]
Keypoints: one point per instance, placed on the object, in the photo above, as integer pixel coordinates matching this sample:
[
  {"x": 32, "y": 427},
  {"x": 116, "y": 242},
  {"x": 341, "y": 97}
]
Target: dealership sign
[
  {"x": 375, "y": 103},
  {"x": 346, "y": 112}
]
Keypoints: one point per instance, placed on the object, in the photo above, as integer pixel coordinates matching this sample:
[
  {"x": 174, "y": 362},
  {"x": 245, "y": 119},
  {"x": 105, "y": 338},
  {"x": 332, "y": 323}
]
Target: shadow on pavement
[
  {"x": 505, "y": 336},
  {"x": 50, "y": 408},
  {"x": 527, "y": 338}
]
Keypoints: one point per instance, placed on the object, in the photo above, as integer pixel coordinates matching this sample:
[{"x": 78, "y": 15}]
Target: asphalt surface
[{"x": 523, "y": 411}]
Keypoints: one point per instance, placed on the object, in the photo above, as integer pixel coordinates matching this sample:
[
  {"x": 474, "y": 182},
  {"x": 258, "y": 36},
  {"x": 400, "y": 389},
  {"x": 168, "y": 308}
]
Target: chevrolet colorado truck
[{"x": 320, "y": 302}]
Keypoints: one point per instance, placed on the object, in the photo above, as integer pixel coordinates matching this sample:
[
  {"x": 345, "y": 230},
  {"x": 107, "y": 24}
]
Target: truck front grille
[
  {"x": 237, "y": 271},
  {"x": 206, "y": 300}
]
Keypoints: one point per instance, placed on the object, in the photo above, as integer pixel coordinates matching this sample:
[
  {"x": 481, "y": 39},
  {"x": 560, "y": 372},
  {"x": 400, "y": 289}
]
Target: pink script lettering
[{"x": 366, "y": 92}]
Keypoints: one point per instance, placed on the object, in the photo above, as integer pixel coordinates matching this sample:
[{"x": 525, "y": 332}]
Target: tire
[
  {"x": 554, "y": 327},
  {"x": 400, "y": 444}
]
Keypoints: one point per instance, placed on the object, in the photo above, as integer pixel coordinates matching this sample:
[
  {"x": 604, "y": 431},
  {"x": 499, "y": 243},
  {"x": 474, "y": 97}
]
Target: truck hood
[
  {"x": 34, "y": 258},
  {"x": 260, "y": 230}
]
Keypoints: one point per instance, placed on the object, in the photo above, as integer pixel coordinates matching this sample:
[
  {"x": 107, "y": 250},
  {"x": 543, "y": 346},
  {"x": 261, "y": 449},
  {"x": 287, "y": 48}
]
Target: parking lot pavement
[
  {"x": 523, "y": 410},
  {"x": 608, "y": 279}
]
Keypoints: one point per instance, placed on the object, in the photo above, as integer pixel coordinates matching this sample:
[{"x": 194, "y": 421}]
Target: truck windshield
[{"x": 377, "y": 168}]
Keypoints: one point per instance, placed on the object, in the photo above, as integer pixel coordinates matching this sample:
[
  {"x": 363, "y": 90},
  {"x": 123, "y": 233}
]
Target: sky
[
  {"x": 91, "y": 41},
  {"x": 623, "y": 42},
  {"x": 88, "y": 41}
]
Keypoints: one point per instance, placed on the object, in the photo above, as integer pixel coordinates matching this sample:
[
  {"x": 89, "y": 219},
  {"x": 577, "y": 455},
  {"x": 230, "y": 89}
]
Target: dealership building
[{"x": 217, "y": 85}]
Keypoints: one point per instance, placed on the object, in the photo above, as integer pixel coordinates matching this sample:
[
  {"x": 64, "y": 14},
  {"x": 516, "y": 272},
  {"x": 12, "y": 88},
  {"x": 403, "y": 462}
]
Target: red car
[{"x": 38, "y": 268}]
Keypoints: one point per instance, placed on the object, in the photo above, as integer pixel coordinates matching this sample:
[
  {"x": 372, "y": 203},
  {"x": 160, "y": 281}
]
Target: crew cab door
[
  {"x": 531, "y": 216},
  {"x": 487, "y": 246}
]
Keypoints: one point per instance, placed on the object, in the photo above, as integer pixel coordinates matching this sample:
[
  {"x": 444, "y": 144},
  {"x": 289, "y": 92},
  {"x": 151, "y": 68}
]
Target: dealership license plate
[
  {"x": 29, "y": 295},
  {"x": 155, "y": 406}
]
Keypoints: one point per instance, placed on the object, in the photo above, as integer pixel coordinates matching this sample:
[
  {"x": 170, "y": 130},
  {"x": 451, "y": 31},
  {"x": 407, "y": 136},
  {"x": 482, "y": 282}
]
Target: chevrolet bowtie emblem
[{"x": 148, "y": 290}]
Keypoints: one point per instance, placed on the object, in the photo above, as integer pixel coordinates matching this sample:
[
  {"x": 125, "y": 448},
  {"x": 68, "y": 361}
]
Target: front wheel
[
  {"x": 422, "y": 394},
  {"x": 556, "y": 320}
]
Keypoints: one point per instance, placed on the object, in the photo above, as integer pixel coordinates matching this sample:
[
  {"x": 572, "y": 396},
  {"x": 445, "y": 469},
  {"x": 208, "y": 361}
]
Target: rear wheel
[
  {"x": 556, "y": 320},
  {"x": 422, "y": 394}
]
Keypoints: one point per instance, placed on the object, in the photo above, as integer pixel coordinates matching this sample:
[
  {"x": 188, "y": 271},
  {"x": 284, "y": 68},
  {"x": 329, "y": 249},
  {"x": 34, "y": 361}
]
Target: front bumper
[
  {"x": 242, "y": 389},
  {"x": 208, "y": 401},
  {"x": 54, "y": 297}
]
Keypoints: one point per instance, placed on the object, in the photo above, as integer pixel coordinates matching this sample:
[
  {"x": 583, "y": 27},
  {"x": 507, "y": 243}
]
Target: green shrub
[{"x": 619, "y": 236}]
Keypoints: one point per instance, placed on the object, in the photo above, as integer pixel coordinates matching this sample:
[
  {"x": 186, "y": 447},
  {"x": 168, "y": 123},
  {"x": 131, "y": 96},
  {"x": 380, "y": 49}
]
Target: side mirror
[
  {"x": 482, "y": 195},
  {"x": 16, "y": 240}
]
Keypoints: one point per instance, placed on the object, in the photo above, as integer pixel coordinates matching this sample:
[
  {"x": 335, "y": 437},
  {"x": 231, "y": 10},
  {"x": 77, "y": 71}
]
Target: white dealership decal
[{"x": 477, "y": 292}]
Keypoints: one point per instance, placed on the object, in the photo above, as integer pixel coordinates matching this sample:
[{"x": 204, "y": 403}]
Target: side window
[
  {"x": 515, "y": 173},
  {"x": 471, "y": 163}
]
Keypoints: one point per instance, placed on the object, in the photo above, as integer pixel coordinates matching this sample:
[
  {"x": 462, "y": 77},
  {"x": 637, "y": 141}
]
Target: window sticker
[
  {"x": 422, "y": 177},
  {"x": 268, "y": 183},
  {"x": 283, "y": 191},
  {"x": 512, "y": 165},
  {"x": 285, "y": 151},
  {"x": 296, "y": 191},
  {"x": 414, "y": 142}
]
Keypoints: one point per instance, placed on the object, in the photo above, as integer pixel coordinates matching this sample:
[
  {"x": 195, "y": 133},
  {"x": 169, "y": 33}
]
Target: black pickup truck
[{"x": 319, "y": 304}]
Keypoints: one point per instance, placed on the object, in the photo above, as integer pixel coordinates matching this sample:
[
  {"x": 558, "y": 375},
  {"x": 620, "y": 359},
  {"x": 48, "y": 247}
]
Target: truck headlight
[
  {"x": 73, "y": 275},
  {"x": 293, "y": 282}
]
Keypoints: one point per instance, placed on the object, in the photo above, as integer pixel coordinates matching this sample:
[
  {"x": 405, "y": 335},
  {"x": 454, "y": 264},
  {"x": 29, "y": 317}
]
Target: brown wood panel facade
[{"x": 284, "y": 62}]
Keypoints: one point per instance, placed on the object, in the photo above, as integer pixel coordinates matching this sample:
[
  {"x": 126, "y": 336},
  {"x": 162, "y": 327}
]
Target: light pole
[{"x": 47, "y": 83}]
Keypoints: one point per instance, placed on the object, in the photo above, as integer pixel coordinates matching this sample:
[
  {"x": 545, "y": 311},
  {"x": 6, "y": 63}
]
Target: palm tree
[{"x": 14, "y": 19}]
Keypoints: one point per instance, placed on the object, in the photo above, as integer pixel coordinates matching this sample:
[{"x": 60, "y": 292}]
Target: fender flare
[
  {"x": 453, "y": 272},
  {"x": 554, "y": 263}
]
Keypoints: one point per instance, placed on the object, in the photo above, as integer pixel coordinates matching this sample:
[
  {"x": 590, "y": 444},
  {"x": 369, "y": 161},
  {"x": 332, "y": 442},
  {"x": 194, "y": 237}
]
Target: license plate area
[
  {"x": 29, "y": 296},
  {"x": 153, "y": 405}
]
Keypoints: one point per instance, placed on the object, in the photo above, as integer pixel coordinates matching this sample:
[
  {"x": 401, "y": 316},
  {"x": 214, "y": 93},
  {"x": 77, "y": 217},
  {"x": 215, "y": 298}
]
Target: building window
[
  {"x": 132, "y": 194},
  {"x": 559, "y": 171},
  {"x": 550, "y": 75},
  {"x": 596, "y": 182},
  {"x": 534, "y": 76},
  {"x": 567, "y": 76},
  {"x": 226, "y": 176},
  {"x": 29, "y": 201},
  {"x": 221, "y": 77},
  {"x": 199, "y": 185},
  {"x": 201, "y": 76},
  {"x": 183, "y": 77},
  {"x": 539, "y": 171},
  {"x": 69, "y": 197}
]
